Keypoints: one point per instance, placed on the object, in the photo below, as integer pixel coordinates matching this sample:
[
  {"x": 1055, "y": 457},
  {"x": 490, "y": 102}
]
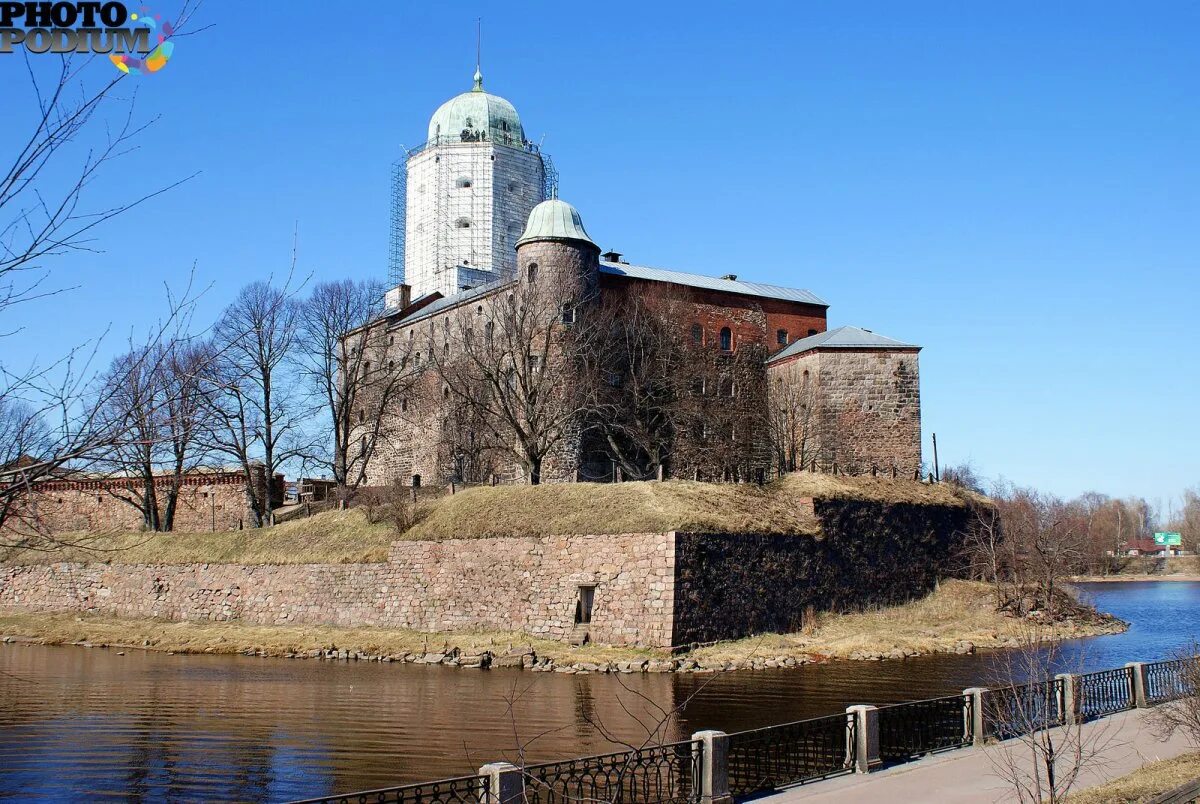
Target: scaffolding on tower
[{"x": 399, "y": 207}]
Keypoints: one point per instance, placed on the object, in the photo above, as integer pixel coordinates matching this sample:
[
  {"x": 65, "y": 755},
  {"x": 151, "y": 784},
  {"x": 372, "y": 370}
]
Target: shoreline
[
  {"x": 1181, "y": 577},
  {"x": 955, "y": 619}
]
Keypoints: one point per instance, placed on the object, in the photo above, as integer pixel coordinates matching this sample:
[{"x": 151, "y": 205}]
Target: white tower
[{"x": 470, "y": 189}]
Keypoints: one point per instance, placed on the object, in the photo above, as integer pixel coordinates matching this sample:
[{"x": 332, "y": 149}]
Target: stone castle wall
[
  {"x": 524, "y": 584},
  {"x": 208, "y": 501},
  {"x": 870, "y": 554},
  {"x": 651, "y": 589}
]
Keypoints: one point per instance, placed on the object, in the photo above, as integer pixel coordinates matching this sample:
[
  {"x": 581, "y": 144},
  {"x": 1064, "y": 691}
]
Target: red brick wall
[{"x": 752, "y": 319}]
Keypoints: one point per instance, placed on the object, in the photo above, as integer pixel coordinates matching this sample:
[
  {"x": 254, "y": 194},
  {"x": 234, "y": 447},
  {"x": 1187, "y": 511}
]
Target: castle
[{"x": 514, "y": 349}]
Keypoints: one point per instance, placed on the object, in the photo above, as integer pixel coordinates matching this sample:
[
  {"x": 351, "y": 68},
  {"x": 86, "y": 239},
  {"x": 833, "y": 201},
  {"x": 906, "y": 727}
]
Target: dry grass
[
  {"x": 336, "y": 537},
  {"x": 236, "y": 637},
  {"x": 1144, "y": 783},
  {"x": 955, "y": 611},
  {"x": 596, "y": 508},
  {"x": 345, "y": 537}
]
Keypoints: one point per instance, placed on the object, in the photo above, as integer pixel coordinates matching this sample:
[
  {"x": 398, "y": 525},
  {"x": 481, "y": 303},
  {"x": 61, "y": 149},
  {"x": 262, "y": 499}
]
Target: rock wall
[
  {"x": 208, "y": 501},
  {"x": 870, "y": 553},
  {"x": 525, "y": 584}
]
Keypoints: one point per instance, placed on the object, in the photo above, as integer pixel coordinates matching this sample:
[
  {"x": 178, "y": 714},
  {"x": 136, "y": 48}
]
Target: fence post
[
  {"x": 505, "y": 784},
  {"x": 1068, "y": 704},
  {"x": 1137, "y": 677},
  {"x": 713, "y": 785},
  {"x": 864, "y": 750},
  {"x": 974, "y": 724}
]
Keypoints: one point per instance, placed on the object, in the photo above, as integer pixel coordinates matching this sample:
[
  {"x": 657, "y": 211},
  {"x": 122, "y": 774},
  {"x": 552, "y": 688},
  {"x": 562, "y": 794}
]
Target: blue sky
[{"x": 1012, "y": 186}]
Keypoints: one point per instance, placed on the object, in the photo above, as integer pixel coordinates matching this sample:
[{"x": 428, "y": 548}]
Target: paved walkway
[{"x": 969, "y": 775}]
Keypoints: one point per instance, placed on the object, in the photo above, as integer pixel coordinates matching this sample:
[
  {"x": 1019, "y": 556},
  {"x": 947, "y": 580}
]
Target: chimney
[
  {"x": 730, "y": 277},
  {"x": 612, "y": 256}
]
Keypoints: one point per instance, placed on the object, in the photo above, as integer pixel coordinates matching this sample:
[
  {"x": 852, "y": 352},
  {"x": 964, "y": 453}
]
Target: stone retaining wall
[{"x": 526, "y": 584}]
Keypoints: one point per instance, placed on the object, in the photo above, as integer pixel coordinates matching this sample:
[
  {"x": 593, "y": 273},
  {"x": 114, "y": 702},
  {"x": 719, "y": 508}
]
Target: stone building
[{"x": 768, "y": 386}]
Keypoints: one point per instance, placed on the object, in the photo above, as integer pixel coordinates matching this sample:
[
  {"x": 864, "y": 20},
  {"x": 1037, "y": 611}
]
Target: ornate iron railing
[
  {"x": 665, "y": 773},
  {"x": 917, "y": 728},
  {"x": 1009, "y": 711},
  {"x": 460, "y": 790},
  {"x": 1102, "y": 693},
  {"x": 763, "y": 759},
  {"x": 1167, "y": 681}
]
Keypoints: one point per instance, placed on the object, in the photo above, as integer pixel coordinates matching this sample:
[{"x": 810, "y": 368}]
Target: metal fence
[
  {"x": 763, "y": 759},
  {"x": 1102, "y": 693},
  {"x": 665, "y": 773},
  {"x": 1009, "y": 711},
  {"x": 1166, "y": 681},
  {"x": 460, "y": 790},
  {"x": 917, "y": 728}
]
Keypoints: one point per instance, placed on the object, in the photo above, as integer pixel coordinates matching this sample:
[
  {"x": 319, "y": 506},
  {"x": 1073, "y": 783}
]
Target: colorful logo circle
[{"x": 157, "y": 58}]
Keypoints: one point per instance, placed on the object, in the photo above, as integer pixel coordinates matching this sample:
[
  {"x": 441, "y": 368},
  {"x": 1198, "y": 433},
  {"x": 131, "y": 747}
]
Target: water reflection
[{"x": 147, "y": 726}]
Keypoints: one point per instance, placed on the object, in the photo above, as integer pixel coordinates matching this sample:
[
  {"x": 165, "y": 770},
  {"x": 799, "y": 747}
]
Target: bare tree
[
  {"x": 251, "y": 401},
  {"x": 792, "y": 420},
  {"x": 640, "y": 381},
  {"x": 1047, "y": 749},
  {"x": 354, "y": 370},
  {"x": 1182, "y": 714},
  {"x": 526, "y": 375}
]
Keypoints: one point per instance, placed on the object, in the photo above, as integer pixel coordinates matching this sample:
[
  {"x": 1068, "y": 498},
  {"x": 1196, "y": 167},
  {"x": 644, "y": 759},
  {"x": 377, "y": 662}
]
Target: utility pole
[{"x": 937, "y": 473}]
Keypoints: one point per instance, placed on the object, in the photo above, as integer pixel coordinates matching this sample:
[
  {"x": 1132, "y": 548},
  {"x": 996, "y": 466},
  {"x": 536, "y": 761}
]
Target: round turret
[
  {"x": 556, "y": 253},
  {"x": 476, "y": 116}
]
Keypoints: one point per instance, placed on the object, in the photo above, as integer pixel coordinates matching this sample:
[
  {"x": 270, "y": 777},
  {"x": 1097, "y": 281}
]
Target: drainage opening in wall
[{"x": 585, "y": 601}]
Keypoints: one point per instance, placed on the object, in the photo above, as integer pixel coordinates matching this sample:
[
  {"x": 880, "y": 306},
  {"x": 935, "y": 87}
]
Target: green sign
[{"x": 1168, "y": 539}]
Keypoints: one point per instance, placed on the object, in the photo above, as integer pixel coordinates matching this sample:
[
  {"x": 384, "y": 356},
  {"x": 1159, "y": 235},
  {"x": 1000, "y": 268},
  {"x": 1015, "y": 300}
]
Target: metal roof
[
  {"x": 841, "y": 338},
  {"x": 710, "y": 283},
  {"x": 450, "y": 302},
  {"x": 557, "y": 220}
]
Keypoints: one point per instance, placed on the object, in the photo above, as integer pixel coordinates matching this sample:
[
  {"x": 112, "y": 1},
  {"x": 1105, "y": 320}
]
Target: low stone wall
[
  {"x": 870, "y": 553},
  {"x": 526, "y": 584}
]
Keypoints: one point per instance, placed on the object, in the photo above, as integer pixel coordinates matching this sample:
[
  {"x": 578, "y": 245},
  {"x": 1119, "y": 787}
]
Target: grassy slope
[
  {"x": 956, "y": 610},
  {"x": 1144, "y": 783},
  {"x": 594, "y": 508}
]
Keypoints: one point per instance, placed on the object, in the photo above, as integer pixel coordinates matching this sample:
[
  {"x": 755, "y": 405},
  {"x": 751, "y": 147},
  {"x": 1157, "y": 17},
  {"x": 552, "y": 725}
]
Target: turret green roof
[
  {"x": 476, "y": 116},
  {"x": 555, "y": 220}
]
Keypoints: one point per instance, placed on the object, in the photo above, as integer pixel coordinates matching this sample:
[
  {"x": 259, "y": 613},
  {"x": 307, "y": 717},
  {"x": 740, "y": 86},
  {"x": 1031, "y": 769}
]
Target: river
[{"x": 78, "y": 722}]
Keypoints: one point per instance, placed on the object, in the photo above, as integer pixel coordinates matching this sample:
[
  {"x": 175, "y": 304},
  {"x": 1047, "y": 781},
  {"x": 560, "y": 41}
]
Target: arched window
[
  {"x": 446, "y": 348},
  {"x": 726, "y": 339},
  {"x": 462, "y": 223},
  {"x": 445, "y": 392},
  {"x": 781, "y": 337},
  {"x": 479, "y": 310},
  {"x": 391, "y": 365},
  {"x": 697, "y": 334},
  {"x": 403, "y": 405},
  {"x": 532, "y": 271},
  {"x": 463, "y": 183}
]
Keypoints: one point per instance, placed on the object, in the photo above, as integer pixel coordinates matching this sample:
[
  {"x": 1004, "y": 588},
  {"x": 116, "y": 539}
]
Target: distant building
[{"x": 778, "y": 391}]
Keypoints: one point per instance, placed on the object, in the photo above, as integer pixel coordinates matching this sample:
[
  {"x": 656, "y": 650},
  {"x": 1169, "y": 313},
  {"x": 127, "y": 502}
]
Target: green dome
[
  {"x": 555, "y": 220},
  {"x": 476, "y": 116}
]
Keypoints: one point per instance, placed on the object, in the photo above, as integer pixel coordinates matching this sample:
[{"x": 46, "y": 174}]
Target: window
[
  {"x": 362, "y": 415},
  {"x": 410, "y": 334},
  {"x": 445, "y": 392},
  {"x": 391, "y": 339},
  {"x": 403, "y": 405},
  {"x": 362, "y": 446},
  {"x": 463, "y": 183},
  {"x": 812, "y": 332},
  {"x": 535, "y": 362},
  {"x": 532, "y": 271},
  {"x": 568, "y": 313},
  {"x": 479, "y": 310},
  {"x": 584, "y": 604},
  {"x": 781, "y": 337},
  {"x": 446, "y": 348},
  {"x": 697, "y": 334},
  {"x": 417, "y": 359},
  {"x": 366, "y": 366},
  {"x": 726, "y": 339},
  {"x": 697, "y": 386},
  {"x": 462, "y": 223},
  {"x": 512, "y": 186},
  {"x": 725, "y": 386},
  {"x": 488, "y": 328},
  {"x": 391, "y": 365}
]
